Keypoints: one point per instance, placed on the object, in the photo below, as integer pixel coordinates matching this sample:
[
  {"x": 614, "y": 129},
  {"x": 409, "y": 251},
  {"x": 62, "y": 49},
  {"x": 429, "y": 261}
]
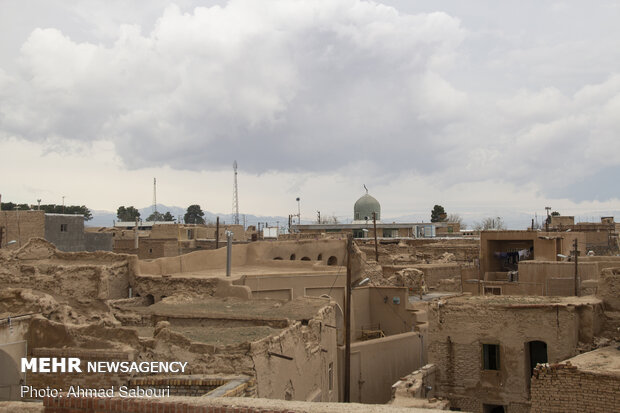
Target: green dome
[{"x": 364, "y": 207}]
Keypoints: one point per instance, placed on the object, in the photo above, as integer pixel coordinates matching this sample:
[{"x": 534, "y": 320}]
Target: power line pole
[
  {"x": 235, "y": 208},
  {"x": 347, "y": 348},
  {"x": 576, "y": 252},
  {"x": 217, "y": 232},
  {"x": 374, "y": 224},
  {"x": 155, "y": 198}
]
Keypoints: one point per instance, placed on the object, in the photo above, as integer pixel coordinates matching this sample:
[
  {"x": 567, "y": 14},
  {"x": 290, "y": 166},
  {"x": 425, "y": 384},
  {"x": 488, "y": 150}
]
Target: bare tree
[
  {"x": 490, "y": 223},
  {"x": 330, "y": 220},
  {"x": 457, "y": 218}
]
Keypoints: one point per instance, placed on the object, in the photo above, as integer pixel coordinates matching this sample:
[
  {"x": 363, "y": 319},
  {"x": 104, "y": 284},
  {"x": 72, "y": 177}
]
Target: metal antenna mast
[
  {"x": 155, "y": 198},
  {"x": 235, "y": 206}
]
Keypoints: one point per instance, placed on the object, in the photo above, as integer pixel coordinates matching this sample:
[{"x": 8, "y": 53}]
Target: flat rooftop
[
  {"x": 517, "y": 301},
  {"x": 605, "y": 360},
  {"x": 302, "y": 308},
  {"x": 259, "y": 270},
  {"x": 234, "y": 320}
]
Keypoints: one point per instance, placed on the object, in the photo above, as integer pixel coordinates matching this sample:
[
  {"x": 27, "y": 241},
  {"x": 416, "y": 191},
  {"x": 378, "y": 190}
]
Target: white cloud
[{"x": 346, "y": 90}]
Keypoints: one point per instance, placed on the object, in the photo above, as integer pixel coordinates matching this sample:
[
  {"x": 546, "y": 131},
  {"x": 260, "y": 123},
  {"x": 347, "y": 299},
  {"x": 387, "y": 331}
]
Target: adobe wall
[
  {"x": 306, "y": 377},
  {"x": 98, "y": 241},
  {"x": 609, "y": 288},
  {"x": 71, "y": 239},
  {"x": 12, "y": 348},
  {"x": 265, "y": 253},
  {"x": 418, "y": 389},
  {"x": 40, "y": 266},
  {"x": 374, "y": 307},
  {"x": 546, "y": 245},
  {"x": 21, "y": 226},
  {"x": 379, "y": 363},
  {"x": 289, "y": 287},
  {"x": 160, "y": 287},
  {"x": 566, "y": 388},
  {"x": 157, "y": 248},
  {"x": 459, "y": 327},
  {"x": 187, "y": 232}
]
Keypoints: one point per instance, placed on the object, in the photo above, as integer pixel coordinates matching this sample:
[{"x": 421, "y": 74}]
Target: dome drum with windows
[{"x": 364, "y": 207}]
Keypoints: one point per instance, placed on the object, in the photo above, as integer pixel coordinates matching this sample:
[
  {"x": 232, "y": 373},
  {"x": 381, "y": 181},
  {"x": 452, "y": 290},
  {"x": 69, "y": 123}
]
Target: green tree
[
  {"x": 438, "y": 214},
  {"x": 127, "y": 214},
  {"x": 194, "y": 215},
  {"x": 168, "y": 217},
  {"x": 51, "y": 209},
  {"x": 555, "y": 214},
  {"x": 155, "y": 216}
]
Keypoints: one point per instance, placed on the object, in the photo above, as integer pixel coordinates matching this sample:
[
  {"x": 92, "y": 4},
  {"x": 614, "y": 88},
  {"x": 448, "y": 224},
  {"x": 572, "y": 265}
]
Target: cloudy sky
[{"x": 483, "y": 107}]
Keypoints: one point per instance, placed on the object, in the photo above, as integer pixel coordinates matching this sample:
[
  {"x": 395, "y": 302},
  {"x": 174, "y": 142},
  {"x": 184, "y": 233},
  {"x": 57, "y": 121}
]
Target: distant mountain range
[
  {"x": 107, "y": 218},
  {"x": 511, "y": 219}
]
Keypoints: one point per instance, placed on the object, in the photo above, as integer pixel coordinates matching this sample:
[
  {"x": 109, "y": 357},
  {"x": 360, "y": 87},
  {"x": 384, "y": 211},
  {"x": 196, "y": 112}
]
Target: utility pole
[
  {"x": 235, "y": 207},
  {"x": 374, "y": 224},
  {"x": 547, "y": 221},
  {"x": 229, "y": 236},
  {"x": 155, "y": 198},
  {"x": 576, "y": 252},
  {"x": 290, "y": 218},
  {"x": 318, "y": 221},
  {"x": 63, "y": 204},
  {"x": 217, "y": 232},
  {"x": 347, "y": 348}
]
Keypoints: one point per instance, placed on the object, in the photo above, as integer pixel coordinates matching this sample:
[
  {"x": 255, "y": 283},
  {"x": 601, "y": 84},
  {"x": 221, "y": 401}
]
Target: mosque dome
[{"x": 364, "y": 207}]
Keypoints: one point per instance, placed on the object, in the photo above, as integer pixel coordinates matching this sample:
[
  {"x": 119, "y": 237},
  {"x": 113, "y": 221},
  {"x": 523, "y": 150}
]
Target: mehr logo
[
  {"x": 51, "y": 365},
  {"x": 73, "y": 365}
]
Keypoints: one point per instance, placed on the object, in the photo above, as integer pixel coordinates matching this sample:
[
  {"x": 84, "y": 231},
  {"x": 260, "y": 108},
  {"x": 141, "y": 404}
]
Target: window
[
  {"x": 492, "y": 290},
  {"x": 64, "y": 227},
  {"x": 150, "y": 250},
  {"x": 490, "y": 356},
  {"x": 330, "y": 374}
]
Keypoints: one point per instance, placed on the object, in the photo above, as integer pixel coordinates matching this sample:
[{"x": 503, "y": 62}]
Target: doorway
[
  {"x": 493, "y": 408},
  {"x": 537, "y": 351}
]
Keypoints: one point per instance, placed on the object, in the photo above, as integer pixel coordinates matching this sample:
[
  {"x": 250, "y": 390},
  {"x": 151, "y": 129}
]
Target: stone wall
[{"x": 565, "y": 388}]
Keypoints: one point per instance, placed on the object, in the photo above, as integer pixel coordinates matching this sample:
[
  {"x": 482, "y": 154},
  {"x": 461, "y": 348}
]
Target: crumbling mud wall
[
  {"x": 609, "y": 288},
  {"x": 39, "y": 265},
  {"x": 311, "y": 372}
]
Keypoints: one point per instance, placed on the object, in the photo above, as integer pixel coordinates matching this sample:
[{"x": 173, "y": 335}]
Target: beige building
[
  {"x": 364, "y": 227},
  {"x": 65, "y": 231},
  {"x": 486, "y": 348},
  {"x": 150, "y": 240}
]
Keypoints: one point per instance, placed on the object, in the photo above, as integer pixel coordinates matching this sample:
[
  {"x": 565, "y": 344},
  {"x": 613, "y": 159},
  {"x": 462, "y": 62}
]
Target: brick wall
[
  {"x": 564, "y": 388},
  {"x": 459, "y": 328}
]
